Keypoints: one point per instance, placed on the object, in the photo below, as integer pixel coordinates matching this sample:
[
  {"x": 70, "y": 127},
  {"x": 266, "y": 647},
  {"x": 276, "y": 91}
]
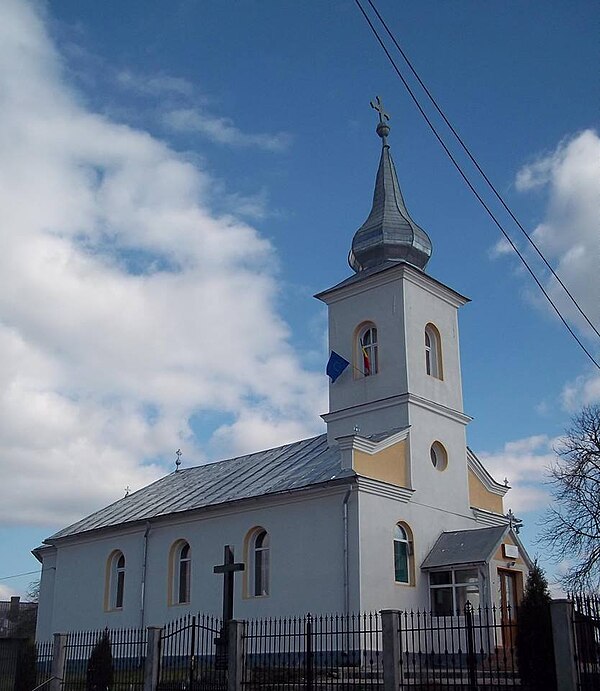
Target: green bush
[
  {"x": 535, "y": 648},
  {"x": 100, "y": 666}
]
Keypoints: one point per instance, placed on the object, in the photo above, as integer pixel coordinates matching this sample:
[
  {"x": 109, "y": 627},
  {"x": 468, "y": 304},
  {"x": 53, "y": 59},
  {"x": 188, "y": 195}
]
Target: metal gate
[
  {"x": 313, "y": 653},
  {"x": 188, "y": 657}
]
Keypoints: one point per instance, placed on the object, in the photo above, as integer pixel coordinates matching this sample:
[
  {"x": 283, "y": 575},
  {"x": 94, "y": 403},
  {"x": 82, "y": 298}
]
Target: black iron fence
[
  {"x": 586, "y": 629},
  {"x": 128, "y": 648},
  {"x": 412, "y": 651},
  {"x": 474, "y": 650},
  {"x": 10, "y": 649},
  {"x": 45, "y": 652},
  {"x": 190, "y": 656},
  {"x": 322, "y": 652},
  {"x": 23, "y": 663}
]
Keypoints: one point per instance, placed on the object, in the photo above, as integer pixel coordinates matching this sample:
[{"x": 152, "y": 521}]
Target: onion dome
[{"x": 389, "y": 234}]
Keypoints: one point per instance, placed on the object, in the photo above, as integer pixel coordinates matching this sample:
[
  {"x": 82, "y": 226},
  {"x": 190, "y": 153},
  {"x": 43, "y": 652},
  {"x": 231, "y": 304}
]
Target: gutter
[
  {"x": 144, "y": 570},
  {"x": 346, "y": 552}
]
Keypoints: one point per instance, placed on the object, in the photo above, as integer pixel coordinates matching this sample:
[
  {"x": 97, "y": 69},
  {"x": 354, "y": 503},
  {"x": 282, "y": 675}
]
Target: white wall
[
  {"x": 46, "y": 596},
  {"x": 424, "y": 303},
  {"x": 381, "y": 303},
  {"x": 400, "y": 301},
  {"x": 378, "y": 517},
  {"x": 446, "y": 489},
  {"x": 306, "y": 571}
]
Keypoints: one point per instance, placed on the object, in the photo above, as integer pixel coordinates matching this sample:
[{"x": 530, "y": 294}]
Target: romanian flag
[{"x": 366, "y": 360}]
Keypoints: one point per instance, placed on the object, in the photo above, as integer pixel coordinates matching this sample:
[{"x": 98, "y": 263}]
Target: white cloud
[
  {"x": 127, "y": 305},
  {"x": 524, "y": 462},
  {"x": 257, "y": 429},
  {"x": 500, "y": 249},
  {"x": 154, "y": 84},
  {"x": 582, "y": 391},
  {"x": 569, "y": 235},
  {"x": 222, "y": 130},
  {"x": 180, "y": 108},
  {"x": 6, "y": 592}
]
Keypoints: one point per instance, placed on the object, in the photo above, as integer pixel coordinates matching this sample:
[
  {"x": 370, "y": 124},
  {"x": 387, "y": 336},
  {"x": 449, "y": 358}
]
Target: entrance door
[{"x": 508, "y": 605}]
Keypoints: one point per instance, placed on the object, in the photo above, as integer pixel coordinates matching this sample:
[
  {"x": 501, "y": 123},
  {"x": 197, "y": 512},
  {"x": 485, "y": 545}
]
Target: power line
[
  {"x": 470, "y": 185},
  {"x": 17, "y": 575},
  {"x": 481, "y": 171}
]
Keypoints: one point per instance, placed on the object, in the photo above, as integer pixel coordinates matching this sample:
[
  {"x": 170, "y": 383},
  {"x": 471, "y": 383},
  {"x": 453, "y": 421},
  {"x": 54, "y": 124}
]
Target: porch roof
[{"x": 464, "y": 547}]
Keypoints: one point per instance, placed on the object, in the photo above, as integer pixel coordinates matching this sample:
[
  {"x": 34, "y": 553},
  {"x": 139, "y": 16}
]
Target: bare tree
[
  {"x": 33, "y": 591},
  {"x": 572, "y": 524}
]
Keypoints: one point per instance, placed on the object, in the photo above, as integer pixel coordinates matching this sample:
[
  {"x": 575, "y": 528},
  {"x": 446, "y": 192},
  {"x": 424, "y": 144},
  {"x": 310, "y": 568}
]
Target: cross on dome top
[{"x": 383, "y": 129}]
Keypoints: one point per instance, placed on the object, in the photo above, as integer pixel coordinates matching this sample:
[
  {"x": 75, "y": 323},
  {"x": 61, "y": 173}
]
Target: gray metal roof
[
  {"x": 464, "y": 547},
  {"x": 389, "y": 233},
  {"x": 282, "y": 469}
]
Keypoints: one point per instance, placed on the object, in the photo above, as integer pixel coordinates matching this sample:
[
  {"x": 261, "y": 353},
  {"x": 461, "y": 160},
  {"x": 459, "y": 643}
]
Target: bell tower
[{"x": 398, "y": 328}]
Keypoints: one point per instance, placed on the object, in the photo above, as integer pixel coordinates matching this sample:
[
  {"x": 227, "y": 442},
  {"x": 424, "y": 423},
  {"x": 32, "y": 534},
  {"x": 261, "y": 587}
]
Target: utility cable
[
  {"x": 481, "y": 171},
  {"x": 17, "y": 575},
  {"x": 469, "y": 184}
]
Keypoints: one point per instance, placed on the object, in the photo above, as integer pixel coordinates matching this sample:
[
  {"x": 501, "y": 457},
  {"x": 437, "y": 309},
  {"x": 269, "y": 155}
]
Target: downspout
[
  {"x": 346, "y": 553},
  {"x": 144, "y": 569}
]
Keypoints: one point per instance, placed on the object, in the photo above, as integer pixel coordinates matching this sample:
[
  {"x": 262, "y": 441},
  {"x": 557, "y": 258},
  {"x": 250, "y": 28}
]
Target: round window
[{"x": 439, "y": 456}]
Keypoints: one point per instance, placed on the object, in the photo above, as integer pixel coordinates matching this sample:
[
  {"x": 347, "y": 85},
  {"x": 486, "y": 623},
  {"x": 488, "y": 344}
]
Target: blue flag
[{"x": 336, "y": 365}]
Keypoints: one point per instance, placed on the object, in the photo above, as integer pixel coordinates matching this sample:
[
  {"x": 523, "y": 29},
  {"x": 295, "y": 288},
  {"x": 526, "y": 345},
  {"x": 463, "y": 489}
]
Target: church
[{"x": 389, "y": 509}]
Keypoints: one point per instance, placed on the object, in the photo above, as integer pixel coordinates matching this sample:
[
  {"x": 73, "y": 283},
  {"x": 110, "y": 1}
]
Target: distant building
[
  {"x": 388, "y": 509},
  {"x": 17, "y": 619}
]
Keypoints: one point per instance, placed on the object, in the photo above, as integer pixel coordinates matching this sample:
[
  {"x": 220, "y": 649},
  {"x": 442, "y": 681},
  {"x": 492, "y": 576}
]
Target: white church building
[{"x": 388, "y": 509}]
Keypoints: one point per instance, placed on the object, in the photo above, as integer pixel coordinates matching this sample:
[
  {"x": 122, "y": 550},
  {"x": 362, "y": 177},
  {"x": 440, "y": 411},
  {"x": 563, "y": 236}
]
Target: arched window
[
  {"x": 115, "y": 585},
  {"x": 181, "y": 573},
  {"x": 403, "y": 551},
  {"x": 367, "y": 356},
  {"x": 258, "y": 557},
  {"x": 433, "y": 352},
  {"x": 438, "y": 455}
]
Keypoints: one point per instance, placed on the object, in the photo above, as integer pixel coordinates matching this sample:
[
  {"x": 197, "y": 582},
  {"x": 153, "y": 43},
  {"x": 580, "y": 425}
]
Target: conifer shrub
[
  {"x": 535, "y": 649},
  {"x": 100, "y": 665},
  {"x": 25, "y": 675}
]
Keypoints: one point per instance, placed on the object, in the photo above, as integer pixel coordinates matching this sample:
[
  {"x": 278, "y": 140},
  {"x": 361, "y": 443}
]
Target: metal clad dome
[{"x": 389, "y": 233}]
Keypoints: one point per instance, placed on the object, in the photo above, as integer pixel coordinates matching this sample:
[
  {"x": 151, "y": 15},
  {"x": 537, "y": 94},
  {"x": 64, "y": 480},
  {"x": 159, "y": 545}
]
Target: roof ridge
[
  {"x": 253, "y": 470},
  {"x": 246, "y": 455}
]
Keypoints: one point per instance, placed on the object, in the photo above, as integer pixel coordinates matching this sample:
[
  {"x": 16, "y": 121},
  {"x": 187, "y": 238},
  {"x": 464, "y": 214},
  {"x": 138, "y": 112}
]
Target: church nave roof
[{"x": 282, "y": 469}]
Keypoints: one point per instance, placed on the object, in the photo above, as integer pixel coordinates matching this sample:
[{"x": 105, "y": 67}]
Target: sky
[{"x": 177, "y": 180}]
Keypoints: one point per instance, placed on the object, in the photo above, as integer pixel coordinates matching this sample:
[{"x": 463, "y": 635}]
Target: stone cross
[{"x": 228, "y": 569}]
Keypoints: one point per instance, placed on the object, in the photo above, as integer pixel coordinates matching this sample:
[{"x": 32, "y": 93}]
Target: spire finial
[
  {"x": 383, "y": 129},
  {"x": 178, "y": 461},
  {"x": 389, "y": 234}
]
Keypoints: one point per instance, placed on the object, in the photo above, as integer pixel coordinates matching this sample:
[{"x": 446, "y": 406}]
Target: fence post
[
  {"x": 390, "y": 633},
  {"x": 151, "y": 665},
  {"x": 235, "y": 655},
  {"x": 192, "y": 670},
  {"x": 308, "y": 652},
  {"x": 564, "y": 644},
  {"x": 59, "y": 653},
  {"x": 471, "y": 658}
]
